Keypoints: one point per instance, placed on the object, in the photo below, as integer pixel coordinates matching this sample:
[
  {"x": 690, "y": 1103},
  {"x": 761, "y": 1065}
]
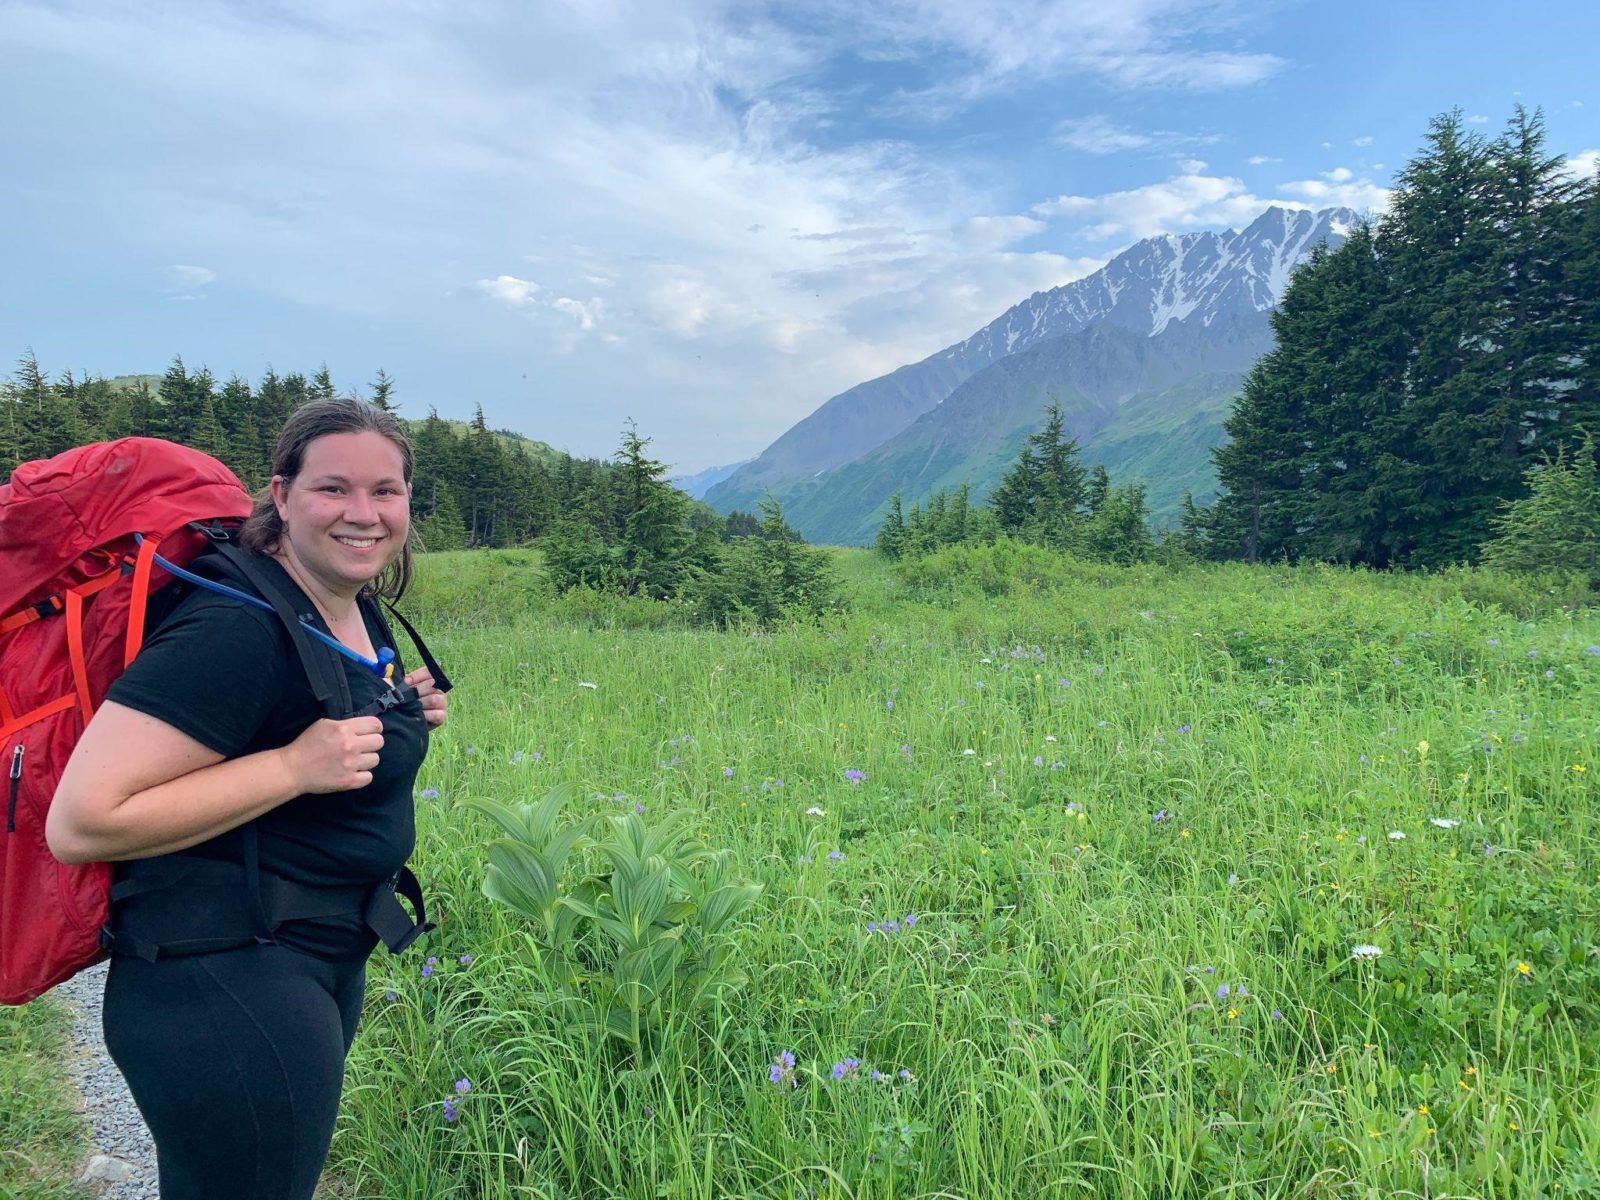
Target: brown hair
[{"x": 263, "y": 529}]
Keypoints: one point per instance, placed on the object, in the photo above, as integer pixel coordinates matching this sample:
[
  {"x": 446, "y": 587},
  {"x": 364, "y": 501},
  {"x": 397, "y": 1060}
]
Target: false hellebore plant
[{"x": 629, "y": 918}]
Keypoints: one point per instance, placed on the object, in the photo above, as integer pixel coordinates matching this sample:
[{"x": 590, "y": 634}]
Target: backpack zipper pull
[{"x": 16, "y": 784}]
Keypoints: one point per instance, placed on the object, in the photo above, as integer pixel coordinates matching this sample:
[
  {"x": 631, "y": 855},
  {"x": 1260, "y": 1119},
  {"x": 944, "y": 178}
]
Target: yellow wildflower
[
  {"x": 1524, "y": 968},
  {"x": 1422, "y": 1110}
]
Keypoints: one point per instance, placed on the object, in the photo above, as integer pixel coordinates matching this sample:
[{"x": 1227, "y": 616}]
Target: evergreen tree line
[
  {"x": 1046, "y": 497},
  {"x": 664, "y": 546},
  {"x": 472, "y": 487},
  {"x": 1433, "y": 377}
]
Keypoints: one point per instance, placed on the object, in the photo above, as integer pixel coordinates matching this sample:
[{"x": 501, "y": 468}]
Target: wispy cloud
[
  {"x": 189, "y": 280},
  {"x": 1195, "y": 200},
  {"x": 518, "y": 179},
  {"x": 1098, "y": 134}
]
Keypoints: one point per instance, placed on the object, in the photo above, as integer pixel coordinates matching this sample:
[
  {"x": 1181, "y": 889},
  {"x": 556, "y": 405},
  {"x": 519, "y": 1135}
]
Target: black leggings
[{"x": 236, "y": 1060}]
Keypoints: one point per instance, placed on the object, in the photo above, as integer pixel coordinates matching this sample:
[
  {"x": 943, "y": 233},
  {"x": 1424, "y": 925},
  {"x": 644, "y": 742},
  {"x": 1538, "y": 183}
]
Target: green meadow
[{"x": 1075, "y": 880}]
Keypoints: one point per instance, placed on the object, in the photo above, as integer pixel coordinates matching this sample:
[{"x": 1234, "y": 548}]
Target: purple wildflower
[
  {"x": 450, "y": 1113},
  {"x": 1222, "y": 991},
  {"x": 639, "y": 808},
  {"x": 905, "y": 1074},
  {"x": 429, "y": 793},
  {"x": 727, "y": 772},
  {"x": 906, "y": 750},
  {"x": 855, "y": 776},
  {"x": 782, "y": 1069},
  {"x": 1185, "y": 728},
  {"x": 835, "y": 855},
  {"x": 847, "y": 1068},
  {"x": 877, "y": 1075},
  {"x": 391, "y": 997},
  {"x": 1038, "y": 760},
  {"x": 911, "y": 920},
  {"x": 872, "y": 927},
  {"x": 1277, "y": 1014},
  {"x": 892, "y": 925},
  {"x": 1160, "y": 816},
  {"x": 465, "y": 960},
  {"x": 463, "y": 1086},
  {"x": 889, "y": 704},
  {"x": 427, "y": 971}
]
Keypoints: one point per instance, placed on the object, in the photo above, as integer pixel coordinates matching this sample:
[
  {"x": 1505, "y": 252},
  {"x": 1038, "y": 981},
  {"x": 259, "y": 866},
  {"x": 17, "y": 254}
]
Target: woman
[{"x": 242, "y": 817}]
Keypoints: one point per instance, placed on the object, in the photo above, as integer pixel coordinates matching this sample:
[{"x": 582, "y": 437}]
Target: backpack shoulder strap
[
  {"x": 324, "y": 671},
  {"x": 440, "y": 680}
]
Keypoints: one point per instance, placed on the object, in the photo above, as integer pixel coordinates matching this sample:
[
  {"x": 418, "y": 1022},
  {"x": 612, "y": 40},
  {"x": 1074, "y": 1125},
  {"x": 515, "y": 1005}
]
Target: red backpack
[{"x": 74, "y": 588}]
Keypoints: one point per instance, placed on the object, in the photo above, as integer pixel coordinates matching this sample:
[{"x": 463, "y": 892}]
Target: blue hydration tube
[{"x": 379, "y": 666}]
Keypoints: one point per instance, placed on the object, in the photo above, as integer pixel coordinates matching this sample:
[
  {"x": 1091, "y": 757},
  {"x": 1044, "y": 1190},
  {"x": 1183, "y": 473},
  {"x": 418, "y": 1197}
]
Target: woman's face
[{"x": 347, "y": 513}]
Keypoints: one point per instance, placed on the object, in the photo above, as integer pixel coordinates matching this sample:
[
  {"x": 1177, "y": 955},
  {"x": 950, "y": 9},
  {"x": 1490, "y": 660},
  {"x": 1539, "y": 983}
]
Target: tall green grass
[
  {"x": 42, "y": 1137},
  {"x": 1055, "y": 1007},
  {"x": 1103, "y": 794}
]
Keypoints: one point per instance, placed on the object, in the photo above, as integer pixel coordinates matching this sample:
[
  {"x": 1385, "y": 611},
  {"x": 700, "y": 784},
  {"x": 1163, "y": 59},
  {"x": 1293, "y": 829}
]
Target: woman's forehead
[{"x": 362, "y": 454}]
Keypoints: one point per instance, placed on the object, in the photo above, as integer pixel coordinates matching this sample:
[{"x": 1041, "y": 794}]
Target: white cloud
[
  {"x": 1327, "y": 192},
  {"x": 1098, "y": 134},
  {"x": 1584, "y": 164},
  {"x": 1195, "y": 201},
  {"x": 508, "y": 289},
  {"x": 1147, "y": 44},
  {"x": 682, "y": 160},
  {"x": 1261, "y": 160},
  {"x": 1192, "y": 166},
  {"x": 1477, "y": 119},
  {"x": 587, "y": 313},
  {"x": 1361, "y": 141},
  {"x": 181, "y": 278}
]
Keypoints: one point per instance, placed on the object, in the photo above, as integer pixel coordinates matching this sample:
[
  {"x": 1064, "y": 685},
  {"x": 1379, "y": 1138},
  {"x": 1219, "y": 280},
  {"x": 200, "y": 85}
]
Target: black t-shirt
[{"x": 228, "y": 674}]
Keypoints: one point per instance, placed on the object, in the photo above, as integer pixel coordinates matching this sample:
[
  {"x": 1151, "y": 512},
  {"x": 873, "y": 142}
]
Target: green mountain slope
[{"x": 1150, "y": 408}]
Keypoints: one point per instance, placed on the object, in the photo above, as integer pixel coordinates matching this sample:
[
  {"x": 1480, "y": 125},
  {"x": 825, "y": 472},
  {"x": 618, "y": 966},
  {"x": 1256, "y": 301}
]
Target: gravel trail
[{"x": 122, "y": 1162}]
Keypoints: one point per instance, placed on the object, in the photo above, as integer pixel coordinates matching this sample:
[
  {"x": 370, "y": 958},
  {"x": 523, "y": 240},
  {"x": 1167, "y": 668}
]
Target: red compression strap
[
  {"x": 141, "y": 597},
  {"x": 80, "y": 664},
  {"x": 38, "y": 714}
]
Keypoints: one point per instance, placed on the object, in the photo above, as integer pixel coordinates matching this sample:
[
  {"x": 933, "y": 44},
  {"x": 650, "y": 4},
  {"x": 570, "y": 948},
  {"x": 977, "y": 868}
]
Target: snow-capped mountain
[{"x": 1194, "y": 278}]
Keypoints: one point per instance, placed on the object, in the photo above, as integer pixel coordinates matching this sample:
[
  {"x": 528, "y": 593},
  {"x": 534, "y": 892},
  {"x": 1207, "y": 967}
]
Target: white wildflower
[
  {"x": 1444, "y": 822},
  {"x": 814, "y": 811},
  {"x": 1365, "y": 951},
  {"x": 590, "y": 686},
  {"x": 1396, "y": 836}
]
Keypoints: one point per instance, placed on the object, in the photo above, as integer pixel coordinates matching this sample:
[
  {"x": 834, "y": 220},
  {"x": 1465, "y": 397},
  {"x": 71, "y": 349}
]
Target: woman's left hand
[{"x": 435, "y": 704}]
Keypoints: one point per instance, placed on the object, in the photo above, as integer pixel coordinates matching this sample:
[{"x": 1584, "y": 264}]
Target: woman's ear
[{"x": 280, "y": 501}]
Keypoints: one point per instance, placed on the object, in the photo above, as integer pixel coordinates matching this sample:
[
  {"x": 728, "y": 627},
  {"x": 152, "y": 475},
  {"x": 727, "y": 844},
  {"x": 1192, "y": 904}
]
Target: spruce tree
[
  {"x": 891, "y": 541},
  {"x": 1556, "y": 527},
  {"x": 383, "y": 392}
]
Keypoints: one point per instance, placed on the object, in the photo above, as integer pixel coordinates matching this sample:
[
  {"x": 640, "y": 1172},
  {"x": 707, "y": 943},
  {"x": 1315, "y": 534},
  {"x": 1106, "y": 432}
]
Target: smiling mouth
[{"x": 356, "y": 543}]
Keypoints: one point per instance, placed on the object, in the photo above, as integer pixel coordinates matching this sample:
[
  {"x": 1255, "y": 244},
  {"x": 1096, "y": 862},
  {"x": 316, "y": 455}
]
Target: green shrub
[{"x": 633, "y": 941}]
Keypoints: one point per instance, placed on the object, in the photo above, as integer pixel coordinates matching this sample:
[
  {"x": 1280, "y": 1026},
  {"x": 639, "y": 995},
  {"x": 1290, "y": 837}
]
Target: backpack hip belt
[{"x": 170, "y": 908}]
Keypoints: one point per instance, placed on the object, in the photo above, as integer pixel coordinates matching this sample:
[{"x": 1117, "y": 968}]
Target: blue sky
[{"x": 708, "y": 216}]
